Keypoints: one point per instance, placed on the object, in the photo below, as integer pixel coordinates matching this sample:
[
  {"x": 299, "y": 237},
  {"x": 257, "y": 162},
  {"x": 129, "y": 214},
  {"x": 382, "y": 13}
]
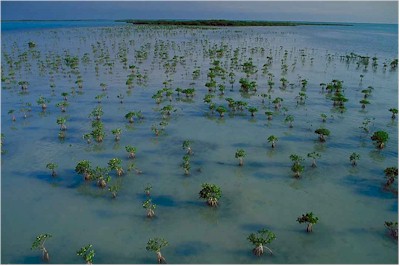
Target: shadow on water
[
  {"x": 370, "y": 188},
  {"x": 191, "y": 248}
]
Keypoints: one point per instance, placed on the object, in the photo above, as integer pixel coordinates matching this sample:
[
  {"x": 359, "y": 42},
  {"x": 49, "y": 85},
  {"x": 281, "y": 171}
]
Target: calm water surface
[{"x": 349, "y": 201}]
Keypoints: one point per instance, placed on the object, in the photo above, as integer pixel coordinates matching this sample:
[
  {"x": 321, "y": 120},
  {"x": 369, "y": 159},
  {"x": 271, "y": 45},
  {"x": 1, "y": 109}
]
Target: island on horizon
[{"x": 227, "y": 23}]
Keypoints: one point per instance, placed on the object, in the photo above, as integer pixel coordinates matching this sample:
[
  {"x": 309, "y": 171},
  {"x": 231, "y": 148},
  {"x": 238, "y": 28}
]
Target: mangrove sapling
[
  {"x": 394, "y": 112},
  {"x": 323, "y": 116},
  {"x": 252, "y": 110},
  {"x": 147, "y": 190},
  {"x": 63, "y": 106},
  {"x": 97, "y": 112},
  {"x": 101, "y": 174},
  {"x": 322, "y": 132},
  {"x": 354, "y": 157},
  {"x": 211, "y": 193},
  {"x": 83, "y": 168},
  {"x": 297, "y": 167},
  {"x": 150, "y": 207},
  {"x": 221, "y": 110},
  {"x": 364, "y": 102},
  {"x": 114, "y": 190},
  {"x": 269, "y": 115},
  {"x": 11, "y": 112},
  {"x": 272, "y": 139},
  {"x": 131, "y": 150},
  {"x": 289, "y": 119},
  {"x": 186, "y": 145},
  {"x": 61, "y": 120},
  {"x": 155, "y": 245},
  {"x": 260, "y": 239},
  {"x": 42, "y": 102},
  {"x": 130, "y": 116},
  {"x": 314, "y": 155},
  {"x": 87, "y": 137},
  {"x": 240, "y": 154},
  {"x": 52, "y": 167},
  {"x": 391, "y": 174},
  {"x": 186, "y": 164},
  {"x": 115, "y": 164},
  {"x": 308, "y": 218},
  {"x": 393, "y": 228},
  {"x": 380, "y": 137},
  {"x": 117, "y": 133},
  {"x": 39, "y": 244},
  {"x": 87, "y": 253},
  {"x": 65, "y": 95}
]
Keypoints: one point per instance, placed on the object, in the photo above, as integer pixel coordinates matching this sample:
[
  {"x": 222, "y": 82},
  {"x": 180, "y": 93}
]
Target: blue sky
[{"x": 330, "y": 11}]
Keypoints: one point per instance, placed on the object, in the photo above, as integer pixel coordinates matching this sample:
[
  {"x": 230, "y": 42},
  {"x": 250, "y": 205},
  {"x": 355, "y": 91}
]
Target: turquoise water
[{"x": 350, "y": 202}]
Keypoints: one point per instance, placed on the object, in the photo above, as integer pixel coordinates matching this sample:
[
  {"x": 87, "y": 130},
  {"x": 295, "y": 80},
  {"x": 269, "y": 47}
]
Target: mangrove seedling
[
  {"x": 39, "y": 244},
  {"x": 394, "y": 112},
  {"x": 186, "y": 145},
  {"x": 252, "y": 110},
  {"x": 131, "y": 150},
  {"x": 289, "y": 119},
  {"x": 324, "y": 116},
  {"x": 52, "y": 167},
  {"x": 269, "y": 115},
  {"x": 211, "y": 193},
  {"x": 354, "y": 157},
  {"x": 240, "y": 154},
  {"x": 155, "y": 245},
  {"x": 322, "y": 132},
  {"x": 186, "y": 164},
  {"x": 61, "y": 120},
  {"x": 101, "y": 174},
  {"x": 117, "y": 133},
  {"x": 150, "y": 207},
  {"x": 221, "y": 110},
  {"x": 115, "y": 164},
  {"x": 87, "y": 253},
  {"x": 260, "y": 239},
  {"x": 272, "y": 139},
  {"x": 83, "y": 168},
  {"x": 42, "y": 102},
  {"x": 314, "y": 155},
  {"x": 147, "y": 190},
  {"x": 391, "y": 174},
  {"x": 114, "y": 190},
  {"x": 308, "y": 218},
  {"x": 380, "y": 137},
  {"x": 130, "y": 116},
  {"x": 297, "y": 168},
  {"x": 393, "y": 228},
  {"x": 364, "y": 102}
]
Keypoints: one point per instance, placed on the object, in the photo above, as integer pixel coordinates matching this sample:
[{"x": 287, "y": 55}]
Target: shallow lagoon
[{"x": 349, "y": 201}]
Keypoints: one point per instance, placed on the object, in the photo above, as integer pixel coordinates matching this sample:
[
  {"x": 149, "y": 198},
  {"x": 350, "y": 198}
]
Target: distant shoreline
[{"x": 229, "y": 23}]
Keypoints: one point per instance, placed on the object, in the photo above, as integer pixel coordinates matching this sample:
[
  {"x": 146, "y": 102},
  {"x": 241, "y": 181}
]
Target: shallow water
[{"x": 349, "y": 201}]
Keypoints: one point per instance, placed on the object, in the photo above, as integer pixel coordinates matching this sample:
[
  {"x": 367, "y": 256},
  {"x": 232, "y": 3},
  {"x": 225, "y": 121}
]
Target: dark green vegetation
[
  {"x": 155, "y": 245},
  {"x": 260, "y": 240},
  {"x": 226, "y": 23},
  {"x": 308, "y": 218},
  {"x": 39, "y": 244}
]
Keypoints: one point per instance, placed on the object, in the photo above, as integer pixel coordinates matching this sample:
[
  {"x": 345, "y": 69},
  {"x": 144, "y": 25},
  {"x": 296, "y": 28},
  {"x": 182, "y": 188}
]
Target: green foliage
[
  {"x": 252, "y": 110},
  {"x": 262, "y": 237},
  {"x": 314, "y": 155},
  {"x": 156, "y": 244},
  {"x": 51, "y": 166},
  {"x": 393, "y": 228},
  {"x": 114, "y": 163},
  {"x": 87, "y": 253},
  {"x": 83, "y": 167},
  {"x": 391, "y": 174},
  {"x": 354, "y": 157},
  {"x": 148, "y": 205},
  {"x": 322, "y": 131},
  {"x": 272, "y": 138},
  {"x": 380, "y": 137},
  {"x": 210, "y": 192},
  {"x": 221, "y": 110},
  {"x": 240, "y": 153},
  {"x": 307, "y": 218},
  {"x": 39, "y": 241}
]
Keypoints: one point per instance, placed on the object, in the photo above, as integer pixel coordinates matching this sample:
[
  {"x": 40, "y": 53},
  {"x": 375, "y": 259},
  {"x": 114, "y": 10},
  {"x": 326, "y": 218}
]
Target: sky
[{"x": 318, "y": 11}]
